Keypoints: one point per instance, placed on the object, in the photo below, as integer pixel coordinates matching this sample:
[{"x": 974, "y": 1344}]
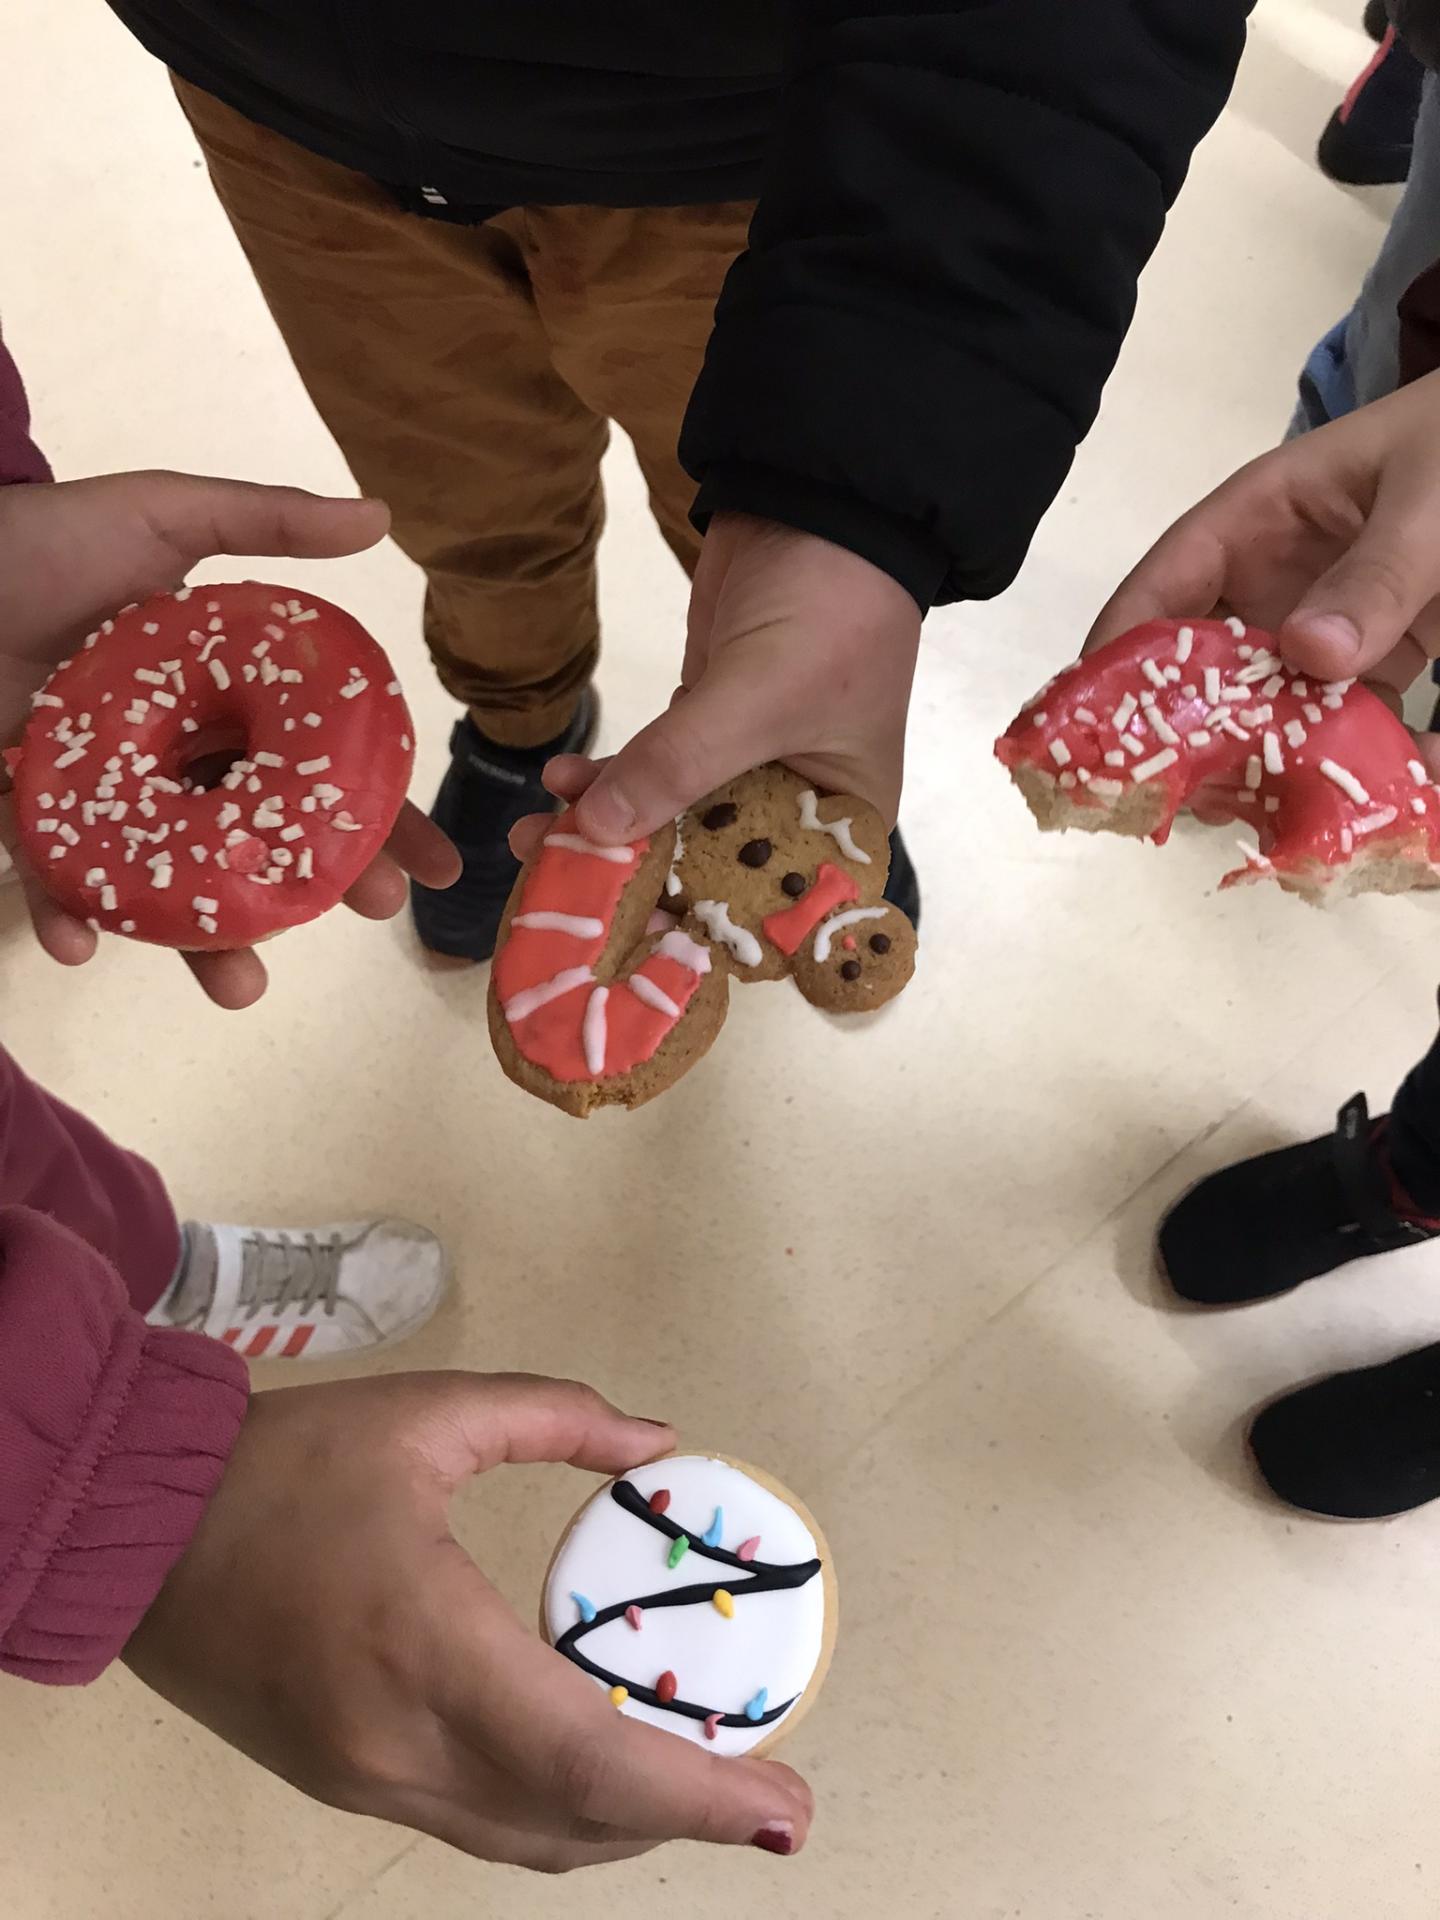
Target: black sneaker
[
  {"x": 487, "y": 789},
  {"x": 1358, "y": 1446},
  {"x": 902, "y": 889},
  {"x": 1368, "y": 138},
  {"x": 1264, "y": 1226}
]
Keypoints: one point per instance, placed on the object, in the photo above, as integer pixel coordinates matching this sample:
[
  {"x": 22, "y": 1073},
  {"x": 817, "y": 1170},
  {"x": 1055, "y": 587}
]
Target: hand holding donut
[
  {"x": 1328, "y": 542},
  {"x": 71, "y": 553}
]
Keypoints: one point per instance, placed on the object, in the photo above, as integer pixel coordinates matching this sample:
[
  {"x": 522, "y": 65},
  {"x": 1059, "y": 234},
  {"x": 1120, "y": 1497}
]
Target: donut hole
[{"x": 206, "y": 756}]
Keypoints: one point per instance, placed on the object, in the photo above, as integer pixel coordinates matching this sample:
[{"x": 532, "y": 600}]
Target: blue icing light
[
  {"x": 712, "y": 1533},
  {"x": 754, "y": 1708},
  {"x": 587, "y": 1607}
]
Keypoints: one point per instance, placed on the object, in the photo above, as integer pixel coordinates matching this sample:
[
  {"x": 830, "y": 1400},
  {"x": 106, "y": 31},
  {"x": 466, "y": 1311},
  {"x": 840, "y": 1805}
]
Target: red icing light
[
  {"x": 790, "y": 929},
  {"x": 660, "y": 1500},
  {"x": 665, "y": 1688}
]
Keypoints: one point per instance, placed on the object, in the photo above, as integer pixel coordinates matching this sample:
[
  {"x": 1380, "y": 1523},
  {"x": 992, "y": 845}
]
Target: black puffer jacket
[{"x": 956, "y": 199}]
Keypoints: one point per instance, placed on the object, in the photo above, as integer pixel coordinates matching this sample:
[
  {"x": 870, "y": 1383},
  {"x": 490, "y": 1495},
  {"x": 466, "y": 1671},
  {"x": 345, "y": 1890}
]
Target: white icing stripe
[
  {"x": 689, "y": 953},
  {"x": 718, "y": 924},
  {"x": 672, "y": 878},
  {"x": 521, "y": 1005},
  {"x": 577, "y": 843},
  {"x": 594, "y": 1033},
  {"x": 653, "y": 996},
  {"x": 580, "y": 924},
  {"x": 838, "y": 830},
  {"x": 829, "y": 928}
]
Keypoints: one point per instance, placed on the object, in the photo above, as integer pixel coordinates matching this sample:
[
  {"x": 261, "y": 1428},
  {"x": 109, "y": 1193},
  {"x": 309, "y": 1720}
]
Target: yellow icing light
[
  {"x": 725, "y": 1602},
  {"x": 619, "y": 1695}
]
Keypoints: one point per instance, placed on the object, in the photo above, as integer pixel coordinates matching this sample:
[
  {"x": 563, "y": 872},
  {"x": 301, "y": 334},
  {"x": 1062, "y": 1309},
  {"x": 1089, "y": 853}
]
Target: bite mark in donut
[
  {"x": 1180, "y": 713},
  {"x": 283, "y": 696}
]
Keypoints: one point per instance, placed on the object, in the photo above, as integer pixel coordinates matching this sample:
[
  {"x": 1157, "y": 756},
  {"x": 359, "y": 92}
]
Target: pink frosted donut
[
  {"x": 1203, "y": 712},
  {"x": 282, "y": 700}
]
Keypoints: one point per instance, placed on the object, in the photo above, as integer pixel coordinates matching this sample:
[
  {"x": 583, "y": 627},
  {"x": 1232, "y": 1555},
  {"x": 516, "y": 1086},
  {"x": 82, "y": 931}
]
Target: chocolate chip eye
[
  {"x": 723, "y": 815},
  {"x": 880, "y": 943},
  {"x": 850, "y": 970},
  {"x": 793, "y": 884},
  {"x": 755, "y": 853}
]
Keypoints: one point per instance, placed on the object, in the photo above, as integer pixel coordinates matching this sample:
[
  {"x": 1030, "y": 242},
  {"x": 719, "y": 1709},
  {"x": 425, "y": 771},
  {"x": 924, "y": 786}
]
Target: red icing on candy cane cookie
[
  {"x": 114, "y": 816},
  {"x": 588, "y": 1006},
  {"x": 1203, "y": 713}
]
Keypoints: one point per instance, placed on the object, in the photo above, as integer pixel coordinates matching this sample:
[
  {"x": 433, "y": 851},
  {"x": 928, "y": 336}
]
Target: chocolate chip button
[
  {"x": 755, "y": 853},
  {"x": 722, "y": 816},
  {"x": 850, "y": 970},
  {"x": 793, "y": 884},
  {"x": 879, "y": 943}
]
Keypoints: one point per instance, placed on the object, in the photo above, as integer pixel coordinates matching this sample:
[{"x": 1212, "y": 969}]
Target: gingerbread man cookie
[{"x": 611, "y": 973}]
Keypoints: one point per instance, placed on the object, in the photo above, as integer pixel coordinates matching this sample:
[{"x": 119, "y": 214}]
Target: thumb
[
  {"x": 511, "y": 1696},
  {"x": 703, "y": 740},
  {"x": 197, "y": 517},
  {"x": 468, "y": 1423},
  {"x": 1358, "y": 612}
]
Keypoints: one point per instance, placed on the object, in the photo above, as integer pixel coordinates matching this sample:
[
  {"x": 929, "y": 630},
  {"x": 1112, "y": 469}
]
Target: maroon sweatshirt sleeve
[
  {"x": 113, "y": 1436},
  {"x": 20, "y": 458},
  {"x": 113, "y": 1433}
]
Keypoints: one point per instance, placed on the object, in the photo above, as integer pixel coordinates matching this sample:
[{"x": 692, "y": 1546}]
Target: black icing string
[{"x": 762, "y": 1576}]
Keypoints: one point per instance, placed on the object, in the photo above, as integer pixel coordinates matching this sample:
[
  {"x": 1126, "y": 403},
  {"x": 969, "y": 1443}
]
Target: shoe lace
[{"x": 280, "y": 1271}]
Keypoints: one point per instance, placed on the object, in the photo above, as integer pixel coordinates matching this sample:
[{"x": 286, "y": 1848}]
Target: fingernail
[
  {"x": 776, "y": 1836},
  {"x": 1333, "y": 628},
  {"x": 609, "y": 813},
  {"x": 649, "y": 1422}
]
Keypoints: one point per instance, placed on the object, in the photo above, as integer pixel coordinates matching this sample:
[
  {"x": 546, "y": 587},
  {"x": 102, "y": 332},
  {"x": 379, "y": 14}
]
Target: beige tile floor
[{"x": 1085, "y": 1671}]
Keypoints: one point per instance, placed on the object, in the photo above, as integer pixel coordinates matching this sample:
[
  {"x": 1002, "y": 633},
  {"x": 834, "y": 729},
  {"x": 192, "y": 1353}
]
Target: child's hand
[
  {"x": 71, "y": 554},
  {"x": 797, "y": 650},
  {"x": 1331, "y": 542},
  {"x": 326, "y": 1622}
]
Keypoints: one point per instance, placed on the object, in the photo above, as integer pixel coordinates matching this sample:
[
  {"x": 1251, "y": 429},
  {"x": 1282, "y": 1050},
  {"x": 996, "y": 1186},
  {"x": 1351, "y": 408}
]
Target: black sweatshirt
[{"x": 956, "y": 201}]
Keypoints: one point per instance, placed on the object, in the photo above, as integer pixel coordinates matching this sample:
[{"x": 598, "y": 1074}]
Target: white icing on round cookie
[
  {"x": 838, "y": 830},
  {"x": 829, "y": 928},
  {"x": 765, "y": 1649}
]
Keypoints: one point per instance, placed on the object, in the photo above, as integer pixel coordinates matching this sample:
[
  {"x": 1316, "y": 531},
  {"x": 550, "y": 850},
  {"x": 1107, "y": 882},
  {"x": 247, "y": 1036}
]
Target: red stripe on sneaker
[
  {"x": 1382, "y": 53},
  {"x": 260, "y": 1343},
  {"x": 297, "y": 1343},
  {"x": 232, "y": 1334}
]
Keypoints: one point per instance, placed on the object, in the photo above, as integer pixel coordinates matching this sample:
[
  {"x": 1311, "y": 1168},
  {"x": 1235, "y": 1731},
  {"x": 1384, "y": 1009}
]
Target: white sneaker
[{"x": 312, "y": 1292}]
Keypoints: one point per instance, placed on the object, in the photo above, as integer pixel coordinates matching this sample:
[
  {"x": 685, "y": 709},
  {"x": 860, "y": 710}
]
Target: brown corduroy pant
[{"x": 469, "y": 375}]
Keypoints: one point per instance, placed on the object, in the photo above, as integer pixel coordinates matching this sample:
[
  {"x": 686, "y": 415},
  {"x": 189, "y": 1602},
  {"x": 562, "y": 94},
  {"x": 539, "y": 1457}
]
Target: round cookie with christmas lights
[{"x": 699, "y": 1593}]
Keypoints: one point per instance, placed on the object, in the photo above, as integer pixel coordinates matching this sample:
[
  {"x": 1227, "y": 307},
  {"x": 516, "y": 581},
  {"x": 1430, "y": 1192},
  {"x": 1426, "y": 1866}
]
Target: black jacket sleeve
[{"x": 958, "y": 204}]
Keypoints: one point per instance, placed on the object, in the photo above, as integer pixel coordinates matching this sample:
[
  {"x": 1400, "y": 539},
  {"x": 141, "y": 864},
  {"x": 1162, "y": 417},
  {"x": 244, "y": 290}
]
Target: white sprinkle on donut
[
  {"x": 1346, "y": 781},
  {"x": 1147, "y": 769}
]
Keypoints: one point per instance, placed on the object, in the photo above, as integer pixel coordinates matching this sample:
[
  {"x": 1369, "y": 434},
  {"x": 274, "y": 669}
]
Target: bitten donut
[
  {"x": 612, "y": 971},
  {"x": 699, "y": 1594},
  {"x": 1203, "y": 713},
  {"x": 282, "y": 698}
]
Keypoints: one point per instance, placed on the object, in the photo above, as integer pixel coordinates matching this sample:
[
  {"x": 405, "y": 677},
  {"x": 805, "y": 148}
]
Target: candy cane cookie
[{"x": 1204, "y": 713}]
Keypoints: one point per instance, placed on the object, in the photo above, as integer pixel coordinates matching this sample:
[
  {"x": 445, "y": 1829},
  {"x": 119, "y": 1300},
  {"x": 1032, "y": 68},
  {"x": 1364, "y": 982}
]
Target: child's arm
[{"x": 959, "y": 200}]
